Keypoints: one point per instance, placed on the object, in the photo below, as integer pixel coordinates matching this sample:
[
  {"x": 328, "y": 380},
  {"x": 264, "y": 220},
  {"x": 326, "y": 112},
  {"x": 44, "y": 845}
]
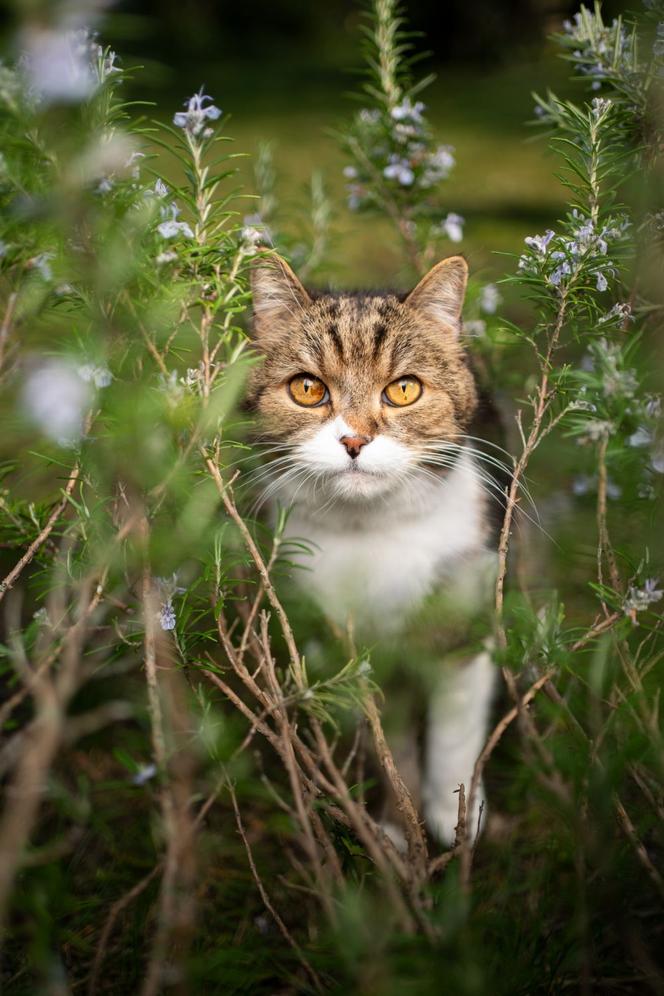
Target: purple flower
[
  {"x": 144, "y": 774},
  {"x": 194, "y": 119},
  {"x": 168, "y": 589},
  {"x": 539, "y": 242},
  {"x": 170, "y": 227},
  {"x": 167, "y": 618}
]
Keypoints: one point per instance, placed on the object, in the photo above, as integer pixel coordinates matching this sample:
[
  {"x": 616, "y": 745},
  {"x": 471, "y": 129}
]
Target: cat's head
[{"x": 360, "y": 388}]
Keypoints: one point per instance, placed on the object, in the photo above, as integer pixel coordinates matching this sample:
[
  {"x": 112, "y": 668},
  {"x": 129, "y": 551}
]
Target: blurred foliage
[{"x": 123, "y": 289}]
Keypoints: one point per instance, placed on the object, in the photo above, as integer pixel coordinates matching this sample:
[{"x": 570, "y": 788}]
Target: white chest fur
[{"x": 374, "y": 567}]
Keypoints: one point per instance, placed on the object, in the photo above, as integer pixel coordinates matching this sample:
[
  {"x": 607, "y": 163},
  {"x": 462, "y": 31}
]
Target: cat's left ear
[
  {"x": 278, "y": 296},
  {"x": 439, "y": 295}
]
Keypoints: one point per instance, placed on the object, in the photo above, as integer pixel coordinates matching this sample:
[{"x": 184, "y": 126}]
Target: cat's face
[{"x": 359, "y": 389}]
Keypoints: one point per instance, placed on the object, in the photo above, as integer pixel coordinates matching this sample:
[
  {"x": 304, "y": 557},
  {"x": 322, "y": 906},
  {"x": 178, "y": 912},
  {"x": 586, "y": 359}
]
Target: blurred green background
[{"x": 283, "y": 68}]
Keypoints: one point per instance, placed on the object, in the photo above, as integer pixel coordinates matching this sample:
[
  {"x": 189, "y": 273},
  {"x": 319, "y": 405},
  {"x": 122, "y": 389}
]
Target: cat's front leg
[{"x": 456, "y": 732}]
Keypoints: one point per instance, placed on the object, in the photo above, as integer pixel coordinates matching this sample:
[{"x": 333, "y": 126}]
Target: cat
[{"x": 368, "y": 397}]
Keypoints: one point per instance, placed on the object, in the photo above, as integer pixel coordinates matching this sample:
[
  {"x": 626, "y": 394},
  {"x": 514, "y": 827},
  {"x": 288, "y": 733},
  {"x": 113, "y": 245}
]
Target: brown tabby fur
[{"x": 357, "y": 344}]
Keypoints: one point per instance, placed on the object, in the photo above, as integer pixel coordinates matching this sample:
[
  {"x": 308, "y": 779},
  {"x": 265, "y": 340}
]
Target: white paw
[{"x": 441, "y": 812}]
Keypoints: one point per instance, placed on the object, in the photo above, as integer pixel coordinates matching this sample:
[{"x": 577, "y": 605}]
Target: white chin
[{"x": 359, "y": 484}]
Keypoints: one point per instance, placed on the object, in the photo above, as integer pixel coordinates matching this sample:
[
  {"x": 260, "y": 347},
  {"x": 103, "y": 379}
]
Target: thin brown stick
[
  {"x": 261, "y": 567},
  {"x": 6, "y": 324},
  {"x": 16, "y": 571},
  {"x": 176, "y": 902},
  {"x": 417, "y": 848},
  {"x": 639, "y": 849}
]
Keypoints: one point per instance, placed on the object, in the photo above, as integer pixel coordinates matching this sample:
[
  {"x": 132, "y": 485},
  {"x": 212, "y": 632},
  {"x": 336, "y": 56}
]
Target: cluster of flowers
[
  {"x": 609, "y": 393},
  {"x": 397, "y": 145},
  {"x": 599, "y": 51},
  {"x": 560, "y": 258},
  {"x": 194, "y": 121}
]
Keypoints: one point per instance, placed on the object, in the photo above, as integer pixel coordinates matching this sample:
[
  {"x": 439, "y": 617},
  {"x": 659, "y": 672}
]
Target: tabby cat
[{"x": 368, "y": 399}]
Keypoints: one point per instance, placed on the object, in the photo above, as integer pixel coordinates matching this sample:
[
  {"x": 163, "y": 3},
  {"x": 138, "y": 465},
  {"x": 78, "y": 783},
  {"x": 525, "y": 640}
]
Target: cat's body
[{"x": 371, "y": 398}]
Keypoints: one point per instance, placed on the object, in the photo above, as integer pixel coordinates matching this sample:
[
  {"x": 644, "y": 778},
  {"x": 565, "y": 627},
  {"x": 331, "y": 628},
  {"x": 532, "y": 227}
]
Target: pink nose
[{"x": 354, "y": 444}]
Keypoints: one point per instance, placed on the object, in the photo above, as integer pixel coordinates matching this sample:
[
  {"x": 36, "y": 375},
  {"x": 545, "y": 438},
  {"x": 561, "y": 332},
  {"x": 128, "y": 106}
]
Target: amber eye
[
  {"x": 308, "y": 391},
  {"x": 403, "y": 391}
]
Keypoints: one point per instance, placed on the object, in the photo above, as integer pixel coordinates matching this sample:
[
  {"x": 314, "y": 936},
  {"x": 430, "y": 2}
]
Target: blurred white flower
[
  {"x": 438, "y": 166},
  {"x": 56, "y": 399},
  {"x": 92, "y": 374},
  {"x": 251, "y": 237},
  {"x": 400, "y": 170},
  {"x": 42, "y": 265},
  {"x": 475, "y": 327},
  {"x": 596, "y": 429},
  {"x": 490, "y": 298},
  {"x": 642, "y": 437},
  {"x": 452, "y": 226},
  {"x": 581, "y": 485},
  {"x": 103, "y": 159},
  {"x": 407, "y": 111},
  {"x": 166, "y": 257},
  {"x": 60, "y": 65}
]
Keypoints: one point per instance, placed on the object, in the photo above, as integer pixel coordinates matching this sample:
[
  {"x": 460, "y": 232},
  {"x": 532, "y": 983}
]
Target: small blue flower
[
  {"x": 540, "y": 242},
  {"x": 144, "y": 774},
  {"x": 170, "y": 227},
  {"x": 168, "y": 589},
  {"x": 167, "y": 619},
  {"x": 400, "y": 170},
  {"x": 193, "y": 120}
]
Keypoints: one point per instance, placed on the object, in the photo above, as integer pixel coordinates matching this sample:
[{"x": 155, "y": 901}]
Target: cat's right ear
[
  {"x": 278, "y": 296},
  {"x": 439, "y": 295}
]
